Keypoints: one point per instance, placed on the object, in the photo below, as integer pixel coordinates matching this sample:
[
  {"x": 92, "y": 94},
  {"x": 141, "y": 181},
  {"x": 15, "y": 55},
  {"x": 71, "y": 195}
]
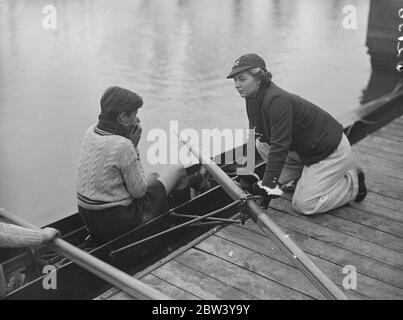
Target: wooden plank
[
  {"x": 199, "y": 284},
  {"x": 389, "y": 134},
  {"x": 385, "y": 185},
  {"x": 370, "y": 287},
  {"x": 258, "y": 263},
  {"x": 337, "y": 238},
  {"x": 368, "y": 162},
  {"x": 395, "y": 126},
  {"x": 374, "y": 142},
  {"x": 170, "y": 290},
  {"x": 392, "y": 128},
  {"x": 369, "y": 213},
  {"x": 330, "y": 259},
  {"x": 334, "y": 271},
  {"x": 377, "y": 204},
  {"x": 398, "y": 121},
  {"x": 354, "y": 229},
  {"x": 392, "y": 131},
  {"x": 161, "y": 285},
  {"x": 394, "y": 160},
  {"x": 370, "y": 220},
  {"x": 318, "y": 248},
  {"x": 381, "y": 144},
  {"x": 238, "y": 277}
]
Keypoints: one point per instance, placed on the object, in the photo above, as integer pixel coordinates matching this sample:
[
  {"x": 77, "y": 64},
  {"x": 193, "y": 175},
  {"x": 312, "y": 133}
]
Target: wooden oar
[
  {"x": 296, "y": 255},
  {"x": 112, "y": 275}
]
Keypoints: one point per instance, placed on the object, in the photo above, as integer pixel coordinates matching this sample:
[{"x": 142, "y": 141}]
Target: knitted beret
[{"x": 116, "y": 100}]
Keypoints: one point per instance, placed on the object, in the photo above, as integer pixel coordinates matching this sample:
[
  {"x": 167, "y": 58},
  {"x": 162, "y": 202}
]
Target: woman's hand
[
  {"x": 272, "y": 193},
  {"x": 267, "y": 193},
  {"x": 135, "y": 133},
  {"x": 49, "y": 234}
]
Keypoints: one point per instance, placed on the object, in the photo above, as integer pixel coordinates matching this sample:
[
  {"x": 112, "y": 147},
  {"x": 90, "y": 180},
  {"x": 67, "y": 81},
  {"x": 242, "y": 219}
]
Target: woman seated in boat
[
  {"x": 12, "y": 236},
  {"x": 114, "y": 194},
  {"x": 299, "y": 142}
]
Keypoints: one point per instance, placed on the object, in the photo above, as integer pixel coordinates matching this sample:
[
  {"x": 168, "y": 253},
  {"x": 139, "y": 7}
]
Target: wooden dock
[{"x": 240, "y": 262}]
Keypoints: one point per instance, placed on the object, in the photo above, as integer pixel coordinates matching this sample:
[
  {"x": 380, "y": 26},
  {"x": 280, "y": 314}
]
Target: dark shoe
[
  {"x": 362, "y": 189},
  {"x": 248, "y": 181}
]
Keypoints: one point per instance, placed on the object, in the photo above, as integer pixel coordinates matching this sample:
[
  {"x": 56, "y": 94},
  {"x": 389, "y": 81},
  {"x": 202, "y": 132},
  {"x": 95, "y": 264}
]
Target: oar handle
[
  {"x": 17, "y": 220},
  {"x": 94, "y": 265}
]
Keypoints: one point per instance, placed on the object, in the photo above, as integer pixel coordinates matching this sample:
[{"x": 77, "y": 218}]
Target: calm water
[{"x": 174, "y": 53}]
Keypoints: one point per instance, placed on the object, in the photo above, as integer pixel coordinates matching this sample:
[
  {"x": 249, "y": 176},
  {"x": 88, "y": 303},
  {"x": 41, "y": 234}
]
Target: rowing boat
[{"x": 147, "y": 244}]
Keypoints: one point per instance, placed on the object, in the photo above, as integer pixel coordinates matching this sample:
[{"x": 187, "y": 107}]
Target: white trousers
[{"x": 322, "y": 186}]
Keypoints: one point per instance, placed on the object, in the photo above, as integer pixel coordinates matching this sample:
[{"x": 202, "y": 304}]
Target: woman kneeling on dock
[
  {"x": 114, "y": 195},
  {"x": 299, "y": 142}
]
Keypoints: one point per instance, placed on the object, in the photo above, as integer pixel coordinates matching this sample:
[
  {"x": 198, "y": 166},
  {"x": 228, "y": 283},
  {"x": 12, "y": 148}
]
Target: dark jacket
[{"x": 289, "y": 122}]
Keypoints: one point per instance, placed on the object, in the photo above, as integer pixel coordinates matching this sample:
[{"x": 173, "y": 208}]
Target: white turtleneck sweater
[{"x": 110, "y": 172}]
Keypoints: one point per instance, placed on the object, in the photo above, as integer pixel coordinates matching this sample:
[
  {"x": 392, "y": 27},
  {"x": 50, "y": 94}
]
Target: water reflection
[{"x": 174, "y": 53}]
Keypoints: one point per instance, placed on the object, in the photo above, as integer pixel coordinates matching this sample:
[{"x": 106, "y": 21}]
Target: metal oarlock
[{"x": 244, "y": 209}]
